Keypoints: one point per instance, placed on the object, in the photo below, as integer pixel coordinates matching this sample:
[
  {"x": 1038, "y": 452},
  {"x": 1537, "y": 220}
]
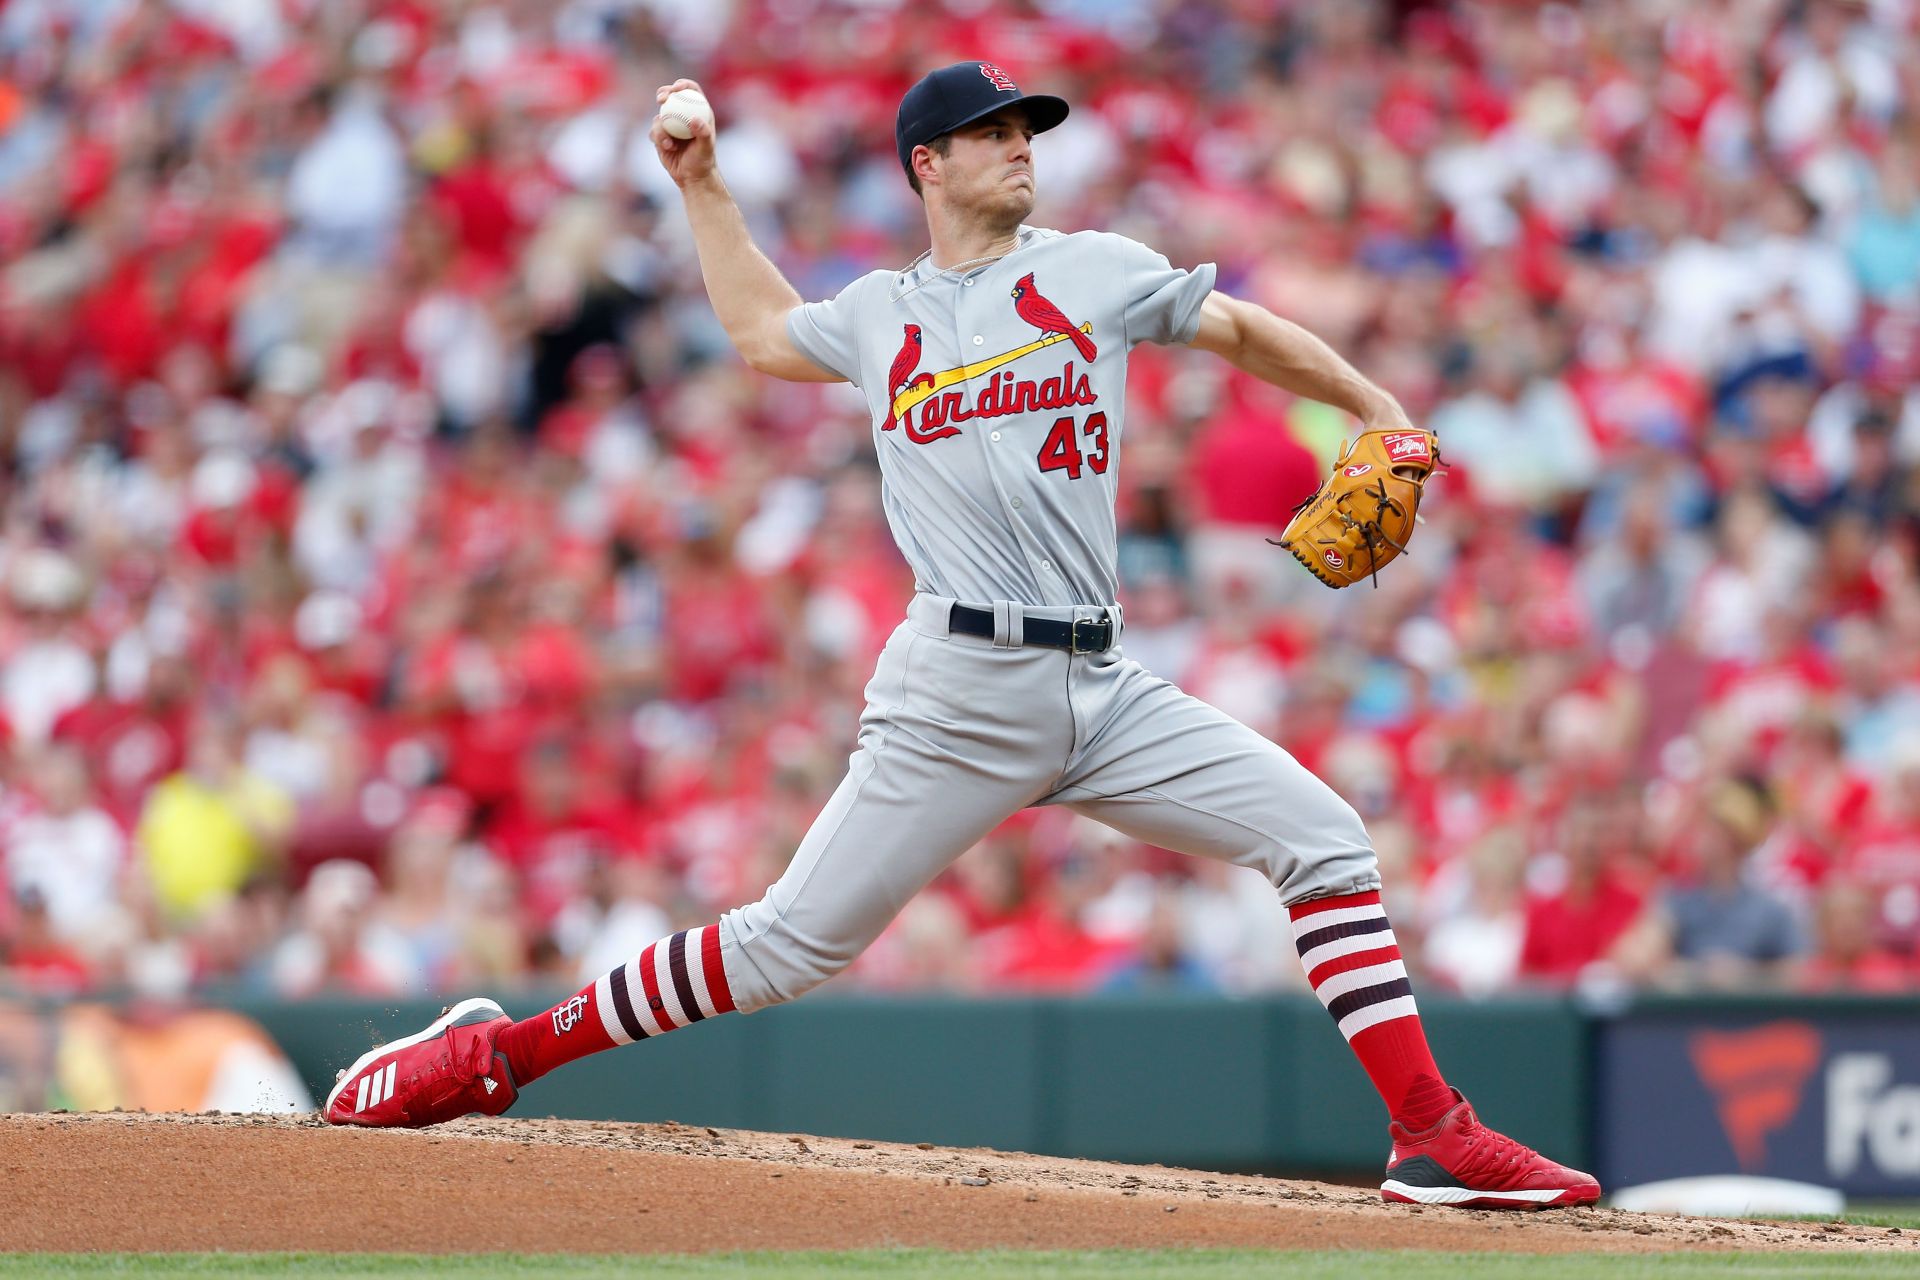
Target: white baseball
[{"x": 681, "y": 109}]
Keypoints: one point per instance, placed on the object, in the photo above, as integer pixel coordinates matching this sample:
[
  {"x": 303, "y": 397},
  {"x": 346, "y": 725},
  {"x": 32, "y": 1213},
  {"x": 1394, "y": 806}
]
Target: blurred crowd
[{"x": 405, "y": 586}]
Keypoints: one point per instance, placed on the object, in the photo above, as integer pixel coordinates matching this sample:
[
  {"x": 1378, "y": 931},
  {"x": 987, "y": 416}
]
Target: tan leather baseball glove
[{"x": 1362, "y": 516}]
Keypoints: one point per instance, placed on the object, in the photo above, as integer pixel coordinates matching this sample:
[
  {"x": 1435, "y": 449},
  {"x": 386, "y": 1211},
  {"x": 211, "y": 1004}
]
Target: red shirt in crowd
[
  {"x": 1249, "y": 471},
  {"x": 1566, "y": 931},
  {"x": 552, "y": 851},
  {"x": 1045, "y": 950},
  {"x": 476, "y": 202},
  {"x": 131, "y": 747}
]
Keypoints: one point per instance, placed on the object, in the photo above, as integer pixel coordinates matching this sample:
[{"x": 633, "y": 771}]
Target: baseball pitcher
[{"x": 994, "y": 368}]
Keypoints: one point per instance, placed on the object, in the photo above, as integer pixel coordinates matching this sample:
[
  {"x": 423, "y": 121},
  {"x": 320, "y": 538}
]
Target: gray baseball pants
[{"x": 961, "y": 732}]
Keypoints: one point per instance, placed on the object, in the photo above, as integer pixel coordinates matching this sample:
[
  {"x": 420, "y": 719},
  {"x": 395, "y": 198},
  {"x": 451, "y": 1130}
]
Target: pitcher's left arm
[
  {"x": 1252, "y": 338},
  {"x": 1363, "y": 515}
]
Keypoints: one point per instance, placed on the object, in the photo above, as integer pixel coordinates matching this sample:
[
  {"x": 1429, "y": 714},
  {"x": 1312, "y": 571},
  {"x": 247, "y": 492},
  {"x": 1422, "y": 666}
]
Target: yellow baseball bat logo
[{"x": 919, "y": 391}]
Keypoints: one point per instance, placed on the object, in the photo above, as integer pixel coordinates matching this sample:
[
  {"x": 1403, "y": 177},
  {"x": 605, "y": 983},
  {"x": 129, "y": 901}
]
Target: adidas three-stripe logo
[{"x": 375, "y": 1087}]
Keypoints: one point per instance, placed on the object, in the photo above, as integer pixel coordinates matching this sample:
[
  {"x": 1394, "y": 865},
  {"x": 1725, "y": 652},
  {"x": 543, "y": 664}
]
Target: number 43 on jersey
[{"x": 1061, "y": 450}]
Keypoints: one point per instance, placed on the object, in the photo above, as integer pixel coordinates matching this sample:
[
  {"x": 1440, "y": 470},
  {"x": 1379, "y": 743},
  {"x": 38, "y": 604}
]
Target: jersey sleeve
[
  {"x": 828, "y": 333},
  {"x": 1162, "y": 300}
]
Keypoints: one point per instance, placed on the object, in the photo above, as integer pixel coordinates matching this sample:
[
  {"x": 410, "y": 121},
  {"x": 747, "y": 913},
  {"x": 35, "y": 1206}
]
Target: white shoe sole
[
  {"x": 1460, "y": 1195},
  {"x": 434, "y": 1028}
]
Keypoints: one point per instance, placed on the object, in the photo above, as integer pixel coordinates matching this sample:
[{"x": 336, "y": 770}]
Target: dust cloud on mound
[{"x": 178, "y": 1182}]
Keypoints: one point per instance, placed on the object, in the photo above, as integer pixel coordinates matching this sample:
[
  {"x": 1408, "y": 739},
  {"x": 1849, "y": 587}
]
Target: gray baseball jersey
[{"x": 999, "y": 401}]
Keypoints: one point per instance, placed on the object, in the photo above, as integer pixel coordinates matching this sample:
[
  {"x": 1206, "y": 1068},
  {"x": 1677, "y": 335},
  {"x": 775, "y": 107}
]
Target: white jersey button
[
  {"x": 977, "y": 339},
  {"x": 968, "y": 282},
  {"x": 1016, "y": 504},
  {"x": 994, "y": 436}
]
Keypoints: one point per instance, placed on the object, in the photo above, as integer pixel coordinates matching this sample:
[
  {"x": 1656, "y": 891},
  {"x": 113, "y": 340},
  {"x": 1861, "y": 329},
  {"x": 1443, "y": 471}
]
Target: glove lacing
[
  {"x": 1373, "y": 529},
  {"x": 1372, "y": 532}
]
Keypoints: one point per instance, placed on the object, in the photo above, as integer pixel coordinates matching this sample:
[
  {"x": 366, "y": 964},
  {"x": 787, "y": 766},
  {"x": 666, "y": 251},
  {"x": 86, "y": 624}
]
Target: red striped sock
[
  {"x": 1353, "y": 964},
  {"x": 675, "y": 981}
]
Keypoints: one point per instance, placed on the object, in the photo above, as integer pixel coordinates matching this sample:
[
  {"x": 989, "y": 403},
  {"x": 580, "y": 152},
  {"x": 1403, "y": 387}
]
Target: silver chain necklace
[{"x": 956, "y": 270}]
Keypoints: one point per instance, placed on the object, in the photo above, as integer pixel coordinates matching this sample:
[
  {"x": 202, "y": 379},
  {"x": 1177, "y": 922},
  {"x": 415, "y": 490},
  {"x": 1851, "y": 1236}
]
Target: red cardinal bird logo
[
  {"x": 903, "y": 366},
  {"x": 1046, "y": 317}
]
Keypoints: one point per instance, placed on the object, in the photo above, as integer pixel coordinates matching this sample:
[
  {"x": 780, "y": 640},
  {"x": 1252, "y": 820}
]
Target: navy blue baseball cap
[{"x": 954, "y": 96}]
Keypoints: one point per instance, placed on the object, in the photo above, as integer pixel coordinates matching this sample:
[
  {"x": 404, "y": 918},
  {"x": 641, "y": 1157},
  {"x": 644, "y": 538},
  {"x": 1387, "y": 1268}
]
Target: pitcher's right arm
[{"x": 749, "y": 295}]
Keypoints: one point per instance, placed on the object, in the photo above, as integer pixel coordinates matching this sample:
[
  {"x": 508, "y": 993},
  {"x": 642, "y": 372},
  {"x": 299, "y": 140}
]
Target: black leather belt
[{"x": 1082, "y": 635}]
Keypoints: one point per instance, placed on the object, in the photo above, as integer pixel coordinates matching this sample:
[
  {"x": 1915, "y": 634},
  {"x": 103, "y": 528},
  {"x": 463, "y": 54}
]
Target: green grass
[
  {"x": 919, "y": 1263},
  {"x": 1904, "y": 1215}
]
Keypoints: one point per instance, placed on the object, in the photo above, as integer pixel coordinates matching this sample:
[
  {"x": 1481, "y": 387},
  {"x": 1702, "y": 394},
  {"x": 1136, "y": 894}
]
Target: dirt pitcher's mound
[{"x": 146, "y": 1183}]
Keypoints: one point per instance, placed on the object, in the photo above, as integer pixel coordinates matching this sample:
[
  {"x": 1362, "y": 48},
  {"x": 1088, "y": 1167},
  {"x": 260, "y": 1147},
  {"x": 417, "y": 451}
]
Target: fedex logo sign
[
  {"x": 1869, "y": 1115},
  {"x": 1831, "y": 1097}
]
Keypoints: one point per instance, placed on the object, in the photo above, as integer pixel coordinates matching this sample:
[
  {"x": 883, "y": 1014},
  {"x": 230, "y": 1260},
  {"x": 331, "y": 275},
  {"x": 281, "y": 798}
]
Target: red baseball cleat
[
  {"x": 445, "y": 1072},
  {"x": 1461, "y": 1163}
]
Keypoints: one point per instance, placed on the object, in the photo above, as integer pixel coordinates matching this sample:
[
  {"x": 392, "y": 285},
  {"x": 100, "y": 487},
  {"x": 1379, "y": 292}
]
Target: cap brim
[{"x": 1044, "y": 111}]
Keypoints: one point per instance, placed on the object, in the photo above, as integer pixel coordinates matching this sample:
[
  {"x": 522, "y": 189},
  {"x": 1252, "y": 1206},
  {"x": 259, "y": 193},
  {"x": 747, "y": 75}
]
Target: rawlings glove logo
[
  {"x": 1406, "y": 446},
  {"x": 1358, "y": 469}
]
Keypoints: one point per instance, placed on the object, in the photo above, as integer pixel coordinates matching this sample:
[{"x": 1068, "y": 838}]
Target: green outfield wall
[{"x": 1194, "y": 1081}]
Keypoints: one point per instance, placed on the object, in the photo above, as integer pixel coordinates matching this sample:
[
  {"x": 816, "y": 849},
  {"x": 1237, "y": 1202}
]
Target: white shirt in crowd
[{"x": 71, "y": 861}]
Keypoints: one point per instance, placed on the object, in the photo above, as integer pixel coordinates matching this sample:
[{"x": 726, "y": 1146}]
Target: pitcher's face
[{"x": 988, "y": 168}]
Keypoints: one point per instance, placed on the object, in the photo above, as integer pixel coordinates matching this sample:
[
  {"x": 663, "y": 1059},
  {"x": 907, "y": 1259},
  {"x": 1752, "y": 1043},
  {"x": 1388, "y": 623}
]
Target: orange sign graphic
[{"x": 1757, "y": 1078}]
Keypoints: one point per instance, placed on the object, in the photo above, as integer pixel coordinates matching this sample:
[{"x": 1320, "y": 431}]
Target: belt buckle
[{"x": 1073, "y": 636}]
